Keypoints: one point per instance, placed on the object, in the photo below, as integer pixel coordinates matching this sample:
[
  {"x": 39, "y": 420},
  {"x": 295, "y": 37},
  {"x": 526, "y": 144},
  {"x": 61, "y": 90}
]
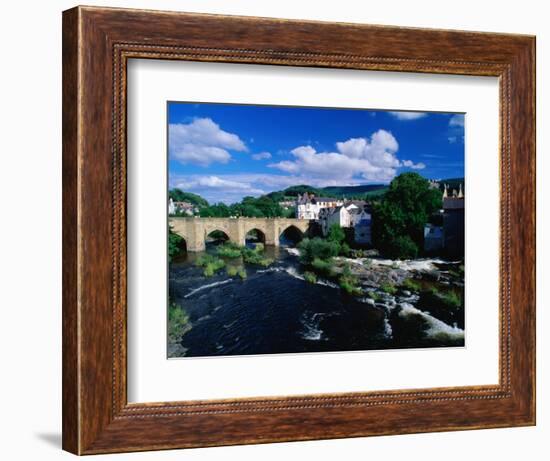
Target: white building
[
  {"x": 308, "y": 206},
  {"x": 171, "y": 207},
  {"x": 181, "y": 207},
  {"x": 335, "y": 215}
]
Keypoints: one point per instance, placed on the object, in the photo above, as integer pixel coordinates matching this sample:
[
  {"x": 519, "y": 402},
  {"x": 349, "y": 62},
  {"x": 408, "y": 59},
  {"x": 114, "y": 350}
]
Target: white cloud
[
  {"x": 404, "y": 115},
  {"x": 371, "y": 159},
  {"x": 202, "y": 142},
  {"x": 230, "y": 188},
  {"x": 261, "y": 156},
  {"x": 217, "y": 188},
  {"x": 414, "y": 166},
  {"x": 457, "y": 120}
]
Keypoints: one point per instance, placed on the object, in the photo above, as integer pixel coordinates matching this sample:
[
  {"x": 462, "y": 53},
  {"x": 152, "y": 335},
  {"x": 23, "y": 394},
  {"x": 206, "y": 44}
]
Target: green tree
[
  {"x": 175, "y": 244},
  {"x": 219, "y": 210},
  {"x": 177, "y": 195},
  {"x": 317, "y": 248},
  {"x": 336, "y": 234},
  {"x": 399, "y": 218}
]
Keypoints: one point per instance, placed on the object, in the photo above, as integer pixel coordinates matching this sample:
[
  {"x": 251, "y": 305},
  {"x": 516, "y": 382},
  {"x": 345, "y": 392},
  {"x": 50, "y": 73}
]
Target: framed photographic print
[{"x": 281, "y": 230}]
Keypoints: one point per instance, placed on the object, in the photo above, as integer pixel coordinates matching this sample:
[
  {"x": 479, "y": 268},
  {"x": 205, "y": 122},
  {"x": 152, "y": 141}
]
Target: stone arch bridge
[{"x": 195, "y": 230}]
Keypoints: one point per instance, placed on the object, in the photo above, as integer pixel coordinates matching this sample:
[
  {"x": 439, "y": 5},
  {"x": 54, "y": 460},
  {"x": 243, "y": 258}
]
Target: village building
[
  {"x": 356, "y": 216},
  {"x": 308, "y": 206},
  {"x": 287, "y": 204},
  {"x": 449, "y": 237},
  {"x": 362, "y": 221},
  {"x": 433, "y": 238},
  {"x": 453, "y": 222},
  {"x": 181, "y": 207}
]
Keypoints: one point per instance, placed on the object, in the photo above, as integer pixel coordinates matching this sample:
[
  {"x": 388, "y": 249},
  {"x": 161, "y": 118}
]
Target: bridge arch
[
  {"x": 255, "y": 235},
  {"x": 291, "y": 234},
  {"x": 216, "y": 234}
]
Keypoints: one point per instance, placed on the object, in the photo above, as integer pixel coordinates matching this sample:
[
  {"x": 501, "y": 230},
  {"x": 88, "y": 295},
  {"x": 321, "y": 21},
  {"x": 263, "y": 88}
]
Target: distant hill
[
  {"x": 353, "y": 190},
  {"x": 362, "y": 191}
]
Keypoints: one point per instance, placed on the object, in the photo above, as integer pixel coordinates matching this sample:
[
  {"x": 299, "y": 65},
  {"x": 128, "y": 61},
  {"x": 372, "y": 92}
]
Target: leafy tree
[
  {"x": 219, "y": 210},
  {"x": 399, "y": 218},
  {"x": 317, "y": 248},
  {"x": 177, "y": 195},
  {"x": 175, "y": 243},
  {"x": 336, "y": 234}
]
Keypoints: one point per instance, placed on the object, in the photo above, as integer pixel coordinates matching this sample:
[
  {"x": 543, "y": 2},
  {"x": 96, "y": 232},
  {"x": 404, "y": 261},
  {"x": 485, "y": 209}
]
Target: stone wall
[{"x": 195, "y": 230}]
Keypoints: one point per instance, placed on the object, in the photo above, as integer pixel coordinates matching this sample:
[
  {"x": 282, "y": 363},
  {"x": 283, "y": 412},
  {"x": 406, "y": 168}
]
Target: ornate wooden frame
[{"x": 97, "y": 43}]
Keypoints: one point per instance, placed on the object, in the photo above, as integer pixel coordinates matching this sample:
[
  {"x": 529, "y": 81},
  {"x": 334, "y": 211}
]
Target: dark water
[{"x": 275, "y": 311}]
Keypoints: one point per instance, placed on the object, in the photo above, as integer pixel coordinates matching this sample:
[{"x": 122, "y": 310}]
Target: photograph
[{"x": 313, "y": 229}]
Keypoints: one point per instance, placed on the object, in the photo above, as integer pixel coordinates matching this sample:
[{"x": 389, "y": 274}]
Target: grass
[
  {"x": 255, "y": 257},
  {"x": 388, "y": 288},
  {"x": 374, "y": 295},
  {"x": 211, "y": 264},
  {"x": 323, "y": 266},
  {"x": 310, "y": 277},
  {"x": 229, "y": 250},
  {"x": 449, "y": 299},
  {"x": 178, "y": 322},
  {"x": 349, "y": 282},
  {"x": 233, "y": 271},
  {"x": 411, "y": 285}
]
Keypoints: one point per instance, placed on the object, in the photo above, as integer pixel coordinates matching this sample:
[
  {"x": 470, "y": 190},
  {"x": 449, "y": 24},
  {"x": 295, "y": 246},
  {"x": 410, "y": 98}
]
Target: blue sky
[{"x": 224, "y": 152}]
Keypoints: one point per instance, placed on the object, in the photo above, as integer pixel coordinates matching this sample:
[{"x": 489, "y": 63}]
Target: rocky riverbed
[{"x": 400, "y": 304}]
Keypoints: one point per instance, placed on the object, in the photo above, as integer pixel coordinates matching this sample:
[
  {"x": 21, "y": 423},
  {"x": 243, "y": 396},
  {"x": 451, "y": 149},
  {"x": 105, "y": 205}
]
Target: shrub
[
  {"x": 349, "y": 282},
  {"x": 311, "y": 249},
  {"x": 324, "y": 267},
  {"x": 451, "y": 299},
  {"x": 336, "y": 234},
  {"x": 210, "y": 263},
  {"x": 310, "y": 277},
  {"x": 242, "y": 273},
  {"x": 232, "y": 271},
  {"x": 374, "y": 295},
  {"x": 255, "y": 257},
  {"x": 178, "y": 322},
  {"x": 175, "y": 243},
  {"x": 229, "y": 250},
  {"x": 349, "y": 287},
  {"x": 203, "y": 260},
  {"x": 412, "y": 285},
  {"x": 388, "y": 288},
  {"x": 345, "y": 250}
]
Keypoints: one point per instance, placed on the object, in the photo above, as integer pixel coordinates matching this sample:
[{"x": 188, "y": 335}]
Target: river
[{"x": 274, "y": 310}]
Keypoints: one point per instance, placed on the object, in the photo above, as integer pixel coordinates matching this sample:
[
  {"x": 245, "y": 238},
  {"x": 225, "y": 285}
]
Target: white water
[
  {"x": 388, "y": 332},
  {"x": 418, "y": 265},
  {"x": 312, "y": 330},
  {"x": 205, "y": 287},
  {"x": 294, "y": 273},
  {"x": 437, "y": 329},
  {"x": 293, "y": 251}
]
